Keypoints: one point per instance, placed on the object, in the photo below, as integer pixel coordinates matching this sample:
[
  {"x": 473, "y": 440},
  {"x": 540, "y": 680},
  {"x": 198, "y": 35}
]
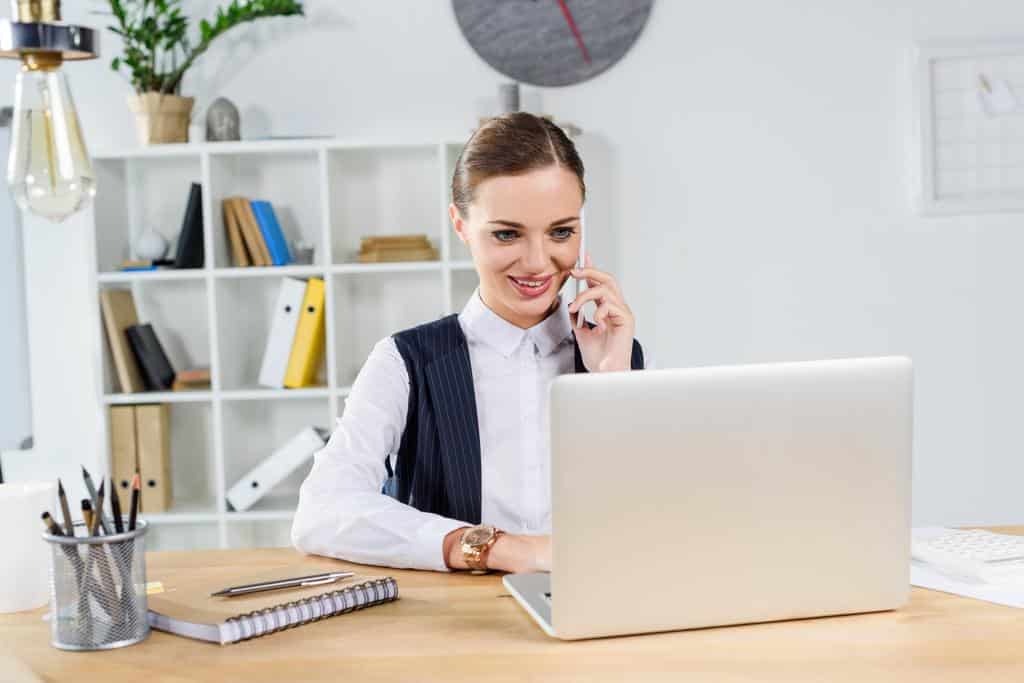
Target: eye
[
  {"x": 505, "y": 235},
  {"x": 563, "y": 233}
]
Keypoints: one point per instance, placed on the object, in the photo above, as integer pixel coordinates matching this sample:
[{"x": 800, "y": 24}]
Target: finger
[
  {"x": 596, "y": 294},
  {"x": 610, "y": 315},
  {"x": 597, "y": 277}
]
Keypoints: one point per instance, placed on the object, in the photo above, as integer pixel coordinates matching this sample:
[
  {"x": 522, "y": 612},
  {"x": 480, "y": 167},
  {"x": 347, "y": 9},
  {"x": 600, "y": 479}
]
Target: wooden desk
[{"x": 460, "y": 627}]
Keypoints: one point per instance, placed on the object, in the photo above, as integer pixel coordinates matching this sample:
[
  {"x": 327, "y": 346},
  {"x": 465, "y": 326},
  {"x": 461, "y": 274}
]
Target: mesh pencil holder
[{"x": 98, "y": 590}]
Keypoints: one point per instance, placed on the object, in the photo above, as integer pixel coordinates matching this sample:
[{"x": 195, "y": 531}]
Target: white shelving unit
[{"x": 329, "y": 193}]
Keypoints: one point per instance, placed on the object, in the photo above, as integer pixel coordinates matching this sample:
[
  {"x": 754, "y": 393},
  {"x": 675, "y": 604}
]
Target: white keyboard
[{"x": 973, "y": 555}]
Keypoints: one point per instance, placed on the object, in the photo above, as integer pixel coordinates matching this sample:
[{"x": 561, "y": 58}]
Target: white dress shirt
[{"x": 342, "y": 512}]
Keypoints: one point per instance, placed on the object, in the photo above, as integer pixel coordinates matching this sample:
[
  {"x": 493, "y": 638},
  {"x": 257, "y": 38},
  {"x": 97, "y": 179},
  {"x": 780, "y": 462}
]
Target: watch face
[{"x": 478, "y": 535}]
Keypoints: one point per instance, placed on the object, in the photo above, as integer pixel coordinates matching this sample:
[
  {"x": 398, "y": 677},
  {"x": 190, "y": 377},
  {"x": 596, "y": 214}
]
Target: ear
[{"x": 458, "y": 223}]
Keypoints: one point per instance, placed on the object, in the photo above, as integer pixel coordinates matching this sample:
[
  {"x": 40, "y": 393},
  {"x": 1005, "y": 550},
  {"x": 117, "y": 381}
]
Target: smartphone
[{"x": 581, "y": 263}]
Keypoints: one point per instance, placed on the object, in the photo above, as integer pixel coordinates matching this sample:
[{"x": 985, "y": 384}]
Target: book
[
  {"x": 389, "y": 248},
  {"x": 191, "y": 380},
  {"x": 392, "y": 255},
  {"x": 153, "y": 447},
  {"x": 156, "y": 368},
  {"x": 282, "y": 333},
  {"x": 118, "y": 308},
  {"x": 190, "y": 240},
  {"x": 193, "y": 376},
  {"x": 272, "y": 233},
  {"x": 250, "y": 240},
  {"x": 239, "y": 256},
  {"x": 253, "y": 236},
  {"x": 186, "y": 608},
  {"x": 261, "y": 479},
  {"x": 308, "y": 348}
]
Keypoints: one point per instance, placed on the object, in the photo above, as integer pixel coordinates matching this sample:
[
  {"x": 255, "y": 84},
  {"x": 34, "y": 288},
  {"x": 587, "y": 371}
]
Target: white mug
[{"x": 25, "y": 560}]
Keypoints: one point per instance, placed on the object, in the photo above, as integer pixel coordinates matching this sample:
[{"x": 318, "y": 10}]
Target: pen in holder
[{"x": 98, "y": 590}]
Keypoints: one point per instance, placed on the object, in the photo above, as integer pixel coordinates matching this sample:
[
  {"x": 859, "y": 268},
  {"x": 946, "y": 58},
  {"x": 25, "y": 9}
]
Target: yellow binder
[{"x": 308, "y": 346}]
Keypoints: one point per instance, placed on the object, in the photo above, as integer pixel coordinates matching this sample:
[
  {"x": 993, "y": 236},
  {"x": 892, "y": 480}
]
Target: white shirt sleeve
[{"x": 342, "y": 512}]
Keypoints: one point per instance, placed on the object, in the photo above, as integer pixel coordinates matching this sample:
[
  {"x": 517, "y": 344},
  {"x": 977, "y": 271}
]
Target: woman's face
[{"x": 523, "y": 230}]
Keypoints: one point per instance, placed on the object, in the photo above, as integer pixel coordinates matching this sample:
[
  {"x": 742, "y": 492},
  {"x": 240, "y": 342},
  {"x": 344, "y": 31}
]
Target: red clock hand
[{"x": 575, "y": 31}]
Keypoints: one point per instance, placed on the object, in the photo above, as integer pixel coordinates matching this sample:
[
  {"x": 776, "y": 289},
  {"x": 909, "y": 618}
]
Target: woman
[{"x": 456, "y": 409}]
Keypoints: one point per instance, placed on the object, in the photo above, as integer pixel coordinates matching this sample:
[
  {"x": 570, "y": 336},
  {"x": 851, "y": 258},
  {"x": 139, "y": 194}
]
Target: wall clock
[{"x": 551, "y": 42}]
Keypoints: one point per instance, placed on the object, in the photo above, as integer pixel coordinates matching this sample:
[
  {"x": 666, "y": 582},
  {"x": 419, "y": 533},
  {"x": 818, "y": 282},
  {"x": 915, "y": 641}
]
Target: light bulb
[{"x": 48, "y": 168}]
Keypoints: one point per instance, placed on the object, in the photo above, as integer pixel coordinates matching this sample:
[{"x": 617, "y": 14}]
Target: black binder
[
  {"x": 156, "y": 368},
  {"x": 190, "y": 241}
]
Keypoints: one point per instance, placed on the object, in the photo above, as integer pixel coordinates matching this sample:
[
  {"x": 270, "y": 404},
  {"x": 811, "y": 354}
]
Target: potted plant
[{"x": 158, "y": 52}]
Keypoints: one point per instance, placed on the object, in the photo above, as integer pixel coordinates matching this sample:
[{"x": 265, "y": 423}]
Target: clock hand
[{"x": 575, "y": 31}]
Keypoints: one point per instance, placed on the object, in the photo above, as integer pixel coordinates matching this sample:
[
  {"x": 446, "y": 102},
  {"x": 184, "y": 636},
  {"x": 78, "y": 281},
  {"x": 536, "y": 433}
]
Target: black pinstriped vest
[{"x": 438, "y": 468}]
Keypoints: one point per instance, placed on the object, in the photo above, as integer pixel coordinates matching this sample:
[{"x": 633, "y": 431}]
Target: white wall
[{"x": 754, "y": 162}]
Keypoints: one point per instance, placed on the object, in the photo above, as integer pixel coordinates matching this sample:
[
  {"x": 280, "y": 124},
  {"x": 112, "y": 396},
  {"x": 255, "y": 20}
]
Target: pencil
[
  {"x": 98, "y": 512},
  {"x": 87, "y": 516},
  {"x": 51, "y": 525},
  {"x": 134, "y": 511},
  {"x": 97, "y": 509},
  {"x": 69, "y": 524},
  {"x": 115, "y": 508}
]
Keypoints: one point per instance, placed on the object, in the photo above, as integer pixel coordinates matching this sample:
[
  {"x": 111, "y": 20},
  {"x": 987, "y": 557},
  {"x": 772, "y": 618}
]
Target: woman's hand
[
  {"x": 510, "y": 553},
  {"x": 609, "y": 346}
]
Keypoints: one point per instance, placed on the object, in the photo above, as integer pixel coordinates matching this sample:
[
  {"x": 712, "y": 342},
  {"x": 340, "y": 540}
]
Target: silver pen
[{"x": 297, "y": 582}]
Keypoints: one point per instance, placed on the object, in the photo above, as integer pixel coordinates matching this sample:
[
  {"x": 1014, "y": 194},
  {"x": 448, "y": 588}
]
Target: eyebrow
[{"x": 513, "y": 224}]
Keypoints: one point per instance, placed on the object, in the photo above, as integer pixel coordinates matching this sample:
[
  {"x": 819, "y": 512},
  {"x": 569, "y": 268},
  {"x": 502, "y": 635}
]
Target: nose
[{"x": 536, "y": 258}]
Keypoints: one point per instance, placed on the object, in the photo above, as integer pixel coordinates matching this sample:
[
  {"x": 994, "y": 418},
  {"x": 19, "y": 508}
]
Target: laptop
[{"x": 688, "y": 498}]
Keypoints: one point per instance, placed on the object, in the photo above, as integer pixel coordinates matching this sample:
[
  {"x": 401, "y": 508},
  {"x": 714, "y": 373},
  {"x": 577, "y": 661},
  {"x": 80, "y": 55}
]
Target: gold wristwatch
[{"x": 476, "y": 545}]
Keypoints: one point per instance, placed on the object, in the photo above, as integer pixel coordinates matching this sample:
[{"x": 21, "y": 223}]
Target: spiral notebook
[{"x": 186, "y": 608}]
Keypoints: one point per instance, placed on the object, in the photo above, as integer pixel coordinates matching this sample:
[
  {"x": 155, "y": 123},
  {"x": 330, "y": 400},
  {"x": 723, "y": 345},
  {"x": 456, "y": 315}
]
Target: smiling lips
[{"x": 531, "y": 287}]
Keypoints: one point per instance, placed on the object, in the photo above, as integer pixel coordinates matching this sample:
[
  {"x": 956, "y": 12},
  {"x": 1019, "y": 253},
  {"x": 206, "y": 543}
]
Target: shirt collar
[{"x": 488, "y": 327}]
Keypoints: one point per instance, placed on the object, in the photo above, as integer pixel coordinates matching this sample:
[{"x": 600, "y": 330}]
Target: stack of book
[
  {"x": 392, "y": 248},
  {"x": 140, "y": 362},
  {"x": 295, "y": 344},
  {"x": 254, "y": 233}
]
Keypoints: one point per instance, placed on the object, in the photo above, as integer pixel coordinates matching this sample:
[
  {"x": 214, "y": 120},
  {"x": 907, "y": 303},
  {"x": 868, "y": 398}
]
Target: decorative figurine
[
  {"x": 150, "y": 246},
  {"x": 508, "y": 97},
  {"x": 222, "y": 121}
]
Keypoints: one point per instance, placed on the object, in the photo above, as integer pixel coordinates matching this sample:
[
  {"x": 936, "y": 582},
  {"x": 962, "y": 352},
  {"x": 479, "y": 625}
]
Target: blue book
[{"x": 272, "y": 235}]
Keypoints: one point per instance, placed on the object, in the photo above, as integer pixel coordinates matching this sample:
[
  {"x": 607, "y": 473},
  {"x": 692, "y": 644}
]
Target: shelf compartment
[
  {"x": 288, "y": 179},
  {"x": 178, "y": 313},
  {"x": 253, "y": 430},
  {"x": 388, "y": 190},
  {"x": 140, "y": 195},
  {"x": 245, "y": 308}
]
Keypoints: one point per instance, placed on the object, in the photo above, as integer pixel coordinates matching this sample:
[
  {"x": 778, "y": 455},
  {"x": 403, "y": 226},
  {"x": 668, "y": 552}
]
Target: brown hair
[{"x": 511, "y": 144}]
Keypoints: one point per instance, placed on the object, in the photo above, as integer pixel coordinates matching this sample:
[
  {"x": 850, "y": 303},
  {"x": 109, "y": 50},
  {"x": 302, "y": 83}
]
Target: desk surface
[{"x": 461, "y": 627}]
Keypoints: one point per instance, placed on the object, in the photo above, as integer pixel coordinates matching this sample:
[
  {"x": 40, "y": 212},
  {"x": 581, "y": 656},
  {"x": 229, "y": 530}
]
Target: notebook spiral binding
[{"x": 321, "y": 607}]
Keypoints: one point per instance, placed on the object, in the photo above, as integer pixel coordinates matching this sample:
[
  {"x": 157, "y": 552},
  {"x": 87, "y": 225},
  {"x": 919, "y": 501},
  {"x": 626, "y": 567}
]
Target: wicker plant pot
[{"x": 161, "y": 118}]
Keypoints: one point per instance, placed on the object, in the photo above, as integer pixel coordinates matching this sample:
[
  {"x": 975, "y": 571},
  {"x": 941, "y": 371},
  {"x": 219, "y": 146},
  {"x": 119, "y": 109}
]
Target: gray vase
[
  {"x": 222, "y": 121},
  {"x": 508, "y": 97}
]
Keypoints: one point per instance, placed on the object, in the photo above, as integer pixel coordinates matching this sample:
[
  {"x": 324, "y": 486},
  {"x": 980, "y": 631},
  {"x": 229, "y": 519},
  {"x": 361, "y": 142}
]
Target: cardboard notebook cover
[{"x": 186, "y": 608}]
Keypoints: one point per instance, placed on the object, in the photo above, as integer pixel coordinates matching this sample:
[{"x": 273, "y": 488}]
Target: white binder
[
  {"x": 282, "y": 332},
  {"x": 278, "y": 465}
]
